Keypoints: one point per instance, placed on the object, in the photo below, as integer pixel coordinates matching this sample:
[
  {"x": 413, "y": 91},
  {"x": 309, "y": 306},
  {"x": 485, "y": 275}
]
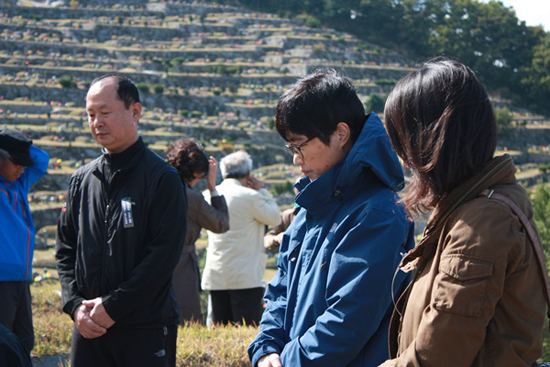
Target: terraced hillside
[{"x": 209, "y": 72}]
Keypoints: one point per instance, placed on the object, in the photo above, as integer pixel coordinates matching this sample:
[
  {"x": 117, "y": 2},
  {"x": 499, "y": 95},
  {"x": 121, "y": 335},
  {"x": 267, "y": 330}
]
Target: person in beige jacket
[
  {"x": 236, "y": 259},
  {"x": 477, "y": 296},
  {"x": 191, "y": 162}
]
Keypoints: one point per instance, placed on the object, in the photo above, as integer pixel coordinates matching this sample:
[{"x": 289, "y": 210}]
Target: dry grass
[
  {"x": 52, "y": 328},
  {"x": 197, "y": 345},
  {"x": 220, "y": 346}
]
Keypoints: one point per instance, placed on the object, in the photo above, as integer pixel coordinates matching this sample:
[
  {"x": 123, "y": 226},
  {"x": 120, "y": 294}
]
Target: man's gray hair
[{"x": 236, "y": 165}]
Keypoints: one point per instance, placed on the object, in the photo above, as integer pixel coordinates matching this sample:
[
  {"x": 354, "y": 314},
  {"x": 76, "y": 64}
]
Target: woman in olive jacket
[
  {"x": 190, "y": 160},
  {"x": 477, "y": 297}
]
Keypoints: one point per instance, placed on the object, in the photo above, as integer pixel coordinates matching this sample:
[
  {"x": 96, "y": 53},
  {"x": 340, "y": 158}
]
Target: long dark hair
[
  {"x": 188, "y": 158},
  {"x": 441, "y": 124}
]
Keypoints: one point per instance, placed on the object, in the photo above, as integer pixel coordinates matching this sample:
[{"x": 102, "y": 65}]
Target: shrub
[
  {"x": 312, "y": 22},
  {"x": 176, "y": 61},
  {"x": 142, "y": 87},
  {"x": 67, "y": 81},
  {"x": 375, "y": 102},
  {"x": 504, "y": 119},
  {"x": 158, "y": 88},
  {"x": 385, "y": 81}
]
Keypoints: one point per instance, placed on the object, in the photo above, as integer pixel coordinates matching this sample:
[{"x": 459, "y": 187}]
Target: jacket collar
[
  {"x": 499, "y": 170},
  {"x": 126, "y": 159},
  {"x": 231, "y": 181}
]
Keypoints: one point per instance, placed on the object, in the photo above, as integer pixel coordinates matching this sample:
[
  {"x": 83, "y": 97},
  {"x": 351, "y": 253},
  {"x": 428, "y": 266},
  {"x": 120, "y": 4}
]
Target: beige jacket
[
  {"x": 236, "y": 259},
  {"x": 477, "y": 297}
]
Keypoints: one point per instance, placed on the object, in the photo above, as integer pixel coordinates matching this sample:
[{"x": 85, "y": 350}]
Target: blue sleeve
[
  {"x": 358, "y": 294},
  {"x": 271, "y": 338},
  {"x": 32, "y": 174}
]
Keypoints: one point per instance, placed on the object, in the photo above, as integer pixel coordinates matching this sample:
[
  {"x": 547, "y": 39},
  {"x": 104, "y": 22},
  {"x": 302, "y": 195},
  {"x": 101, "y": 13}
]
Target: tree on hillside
[
  {"x": 508, "y": 55},
  {"x": 504, "y": 120},
  {"x": 375, "y": 103},
  {"x": 541, "y": 213},
  {"x": 535, "y": 78}
]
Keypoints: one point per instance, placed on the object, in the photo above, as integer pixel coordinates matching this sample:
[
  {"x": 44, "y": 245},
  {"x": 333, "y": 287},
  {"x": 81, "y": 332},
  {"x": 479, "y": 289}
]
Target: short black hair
[
  {"x": 126, "y": 90},
  {"x": 441, "y": 123},
  {"x": 316, "y": 104}
]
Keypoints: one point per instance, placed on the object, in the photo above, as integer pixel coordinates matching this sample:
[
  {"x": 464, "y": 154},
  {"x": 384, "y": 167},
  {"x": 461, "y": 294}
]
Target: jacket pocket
[{"x": 461, "y": 285}]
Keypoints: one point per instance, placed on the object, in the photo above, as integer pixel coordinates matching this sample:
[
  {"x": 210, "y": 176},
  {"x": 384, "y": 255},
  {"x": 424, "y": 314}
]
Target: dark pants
[
  {"x": 121, "y": 347},
  {"x": 237, "y": 306},
  {"x": 12, "y": 353},
  {"x": 16, "y": 313}
]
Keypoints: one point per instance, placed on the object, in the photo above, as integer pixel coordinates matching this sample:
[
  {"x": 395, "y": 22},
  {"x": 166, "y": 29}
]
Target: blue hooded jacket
[
  {"x": 16, "y": 226},
  {"x": 331, "y": 299}
]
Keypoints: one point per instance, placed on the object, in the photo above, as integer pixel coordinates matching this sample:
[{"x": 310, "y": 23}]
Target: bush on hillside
[
  {"x": 143, "y": 87},
  {"x": 158, "y": 88},
  {"x": 67, "y": 81},
  {"x": 385, "y": 81},
  {"x": 504, "y": 119},
  {"x": 375, "y": 103}
]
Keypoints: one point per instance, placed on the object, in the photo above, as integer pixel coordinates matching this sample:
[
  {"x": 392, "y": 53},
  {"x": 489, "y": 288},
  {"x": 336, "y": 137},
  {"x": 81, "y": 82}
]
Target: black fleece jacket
[{"x": 119, "y": 237}]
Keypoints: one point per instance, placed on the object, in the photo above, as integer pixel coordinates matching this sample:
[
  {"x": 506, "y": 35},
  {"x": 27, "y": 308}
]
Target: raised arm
[{"x": 41, "y": 160}]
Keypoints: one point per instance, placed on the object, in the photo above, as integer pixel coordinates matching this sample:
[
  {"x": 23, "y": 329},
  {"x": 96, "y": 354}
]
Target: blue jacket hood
[
  {"x": 373, "y": 151},
  {"x": 371, "y": 155}
]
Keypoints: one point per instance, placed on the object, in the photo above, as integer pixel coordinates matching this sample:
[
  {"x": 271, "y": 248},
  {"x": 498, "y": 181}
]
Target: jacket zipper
[
  {"x": 28, "y": 252},
  {"x": 28, "y": 247},
  {"x": 107, "y": 228}
]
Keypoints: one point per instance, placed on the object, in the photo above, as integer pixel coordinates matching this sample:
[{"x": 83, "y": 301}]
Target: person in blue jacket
[
  {"x": 331, "y": 300},
  {"x": 21, "y": 165}
]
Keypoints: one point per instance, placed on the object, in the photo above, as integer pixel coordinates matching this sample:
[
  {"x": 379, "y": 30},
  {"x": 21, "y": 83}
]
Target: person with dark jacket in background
[
  {"x": 190, "y": 160},
  {"x": 477, "y": 298},
  {"x": 273, "y": 237},
  {"x": 331, "y": 300},
  {"x": 119, "y": 238},
  {"x": 21, "y": 165}
]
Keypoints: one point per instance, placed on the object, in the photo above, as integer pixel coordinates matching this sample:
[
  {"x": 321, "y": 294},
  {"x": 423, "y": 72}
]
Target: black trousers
[
  {"x": 237, "y": 306},
  {"x": 16, "y": 313},
  {"x": 122, "y": 347}
]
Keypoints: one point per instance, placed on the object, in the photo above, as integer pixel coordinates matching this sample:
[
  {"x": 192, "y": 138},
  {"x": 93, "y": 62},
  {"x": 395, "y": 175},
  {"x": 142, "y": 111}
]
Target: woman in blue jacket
[{"x": 331, "y": 300}]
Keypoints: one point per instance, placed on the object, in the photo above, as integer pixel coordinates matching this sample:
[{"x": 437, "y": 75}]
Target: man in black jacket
[{"x": 119, "y": 238}]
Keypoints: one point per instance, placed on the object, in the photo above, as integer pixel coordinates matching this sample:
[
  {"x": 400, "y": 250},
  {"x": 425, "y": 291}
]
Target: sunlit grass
[{"x": 196, "y": 346}]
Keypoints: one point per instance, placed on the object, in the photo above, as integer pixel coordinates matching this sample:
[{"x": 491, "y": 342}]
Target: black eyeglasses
[{"x": 297, "y": 148}]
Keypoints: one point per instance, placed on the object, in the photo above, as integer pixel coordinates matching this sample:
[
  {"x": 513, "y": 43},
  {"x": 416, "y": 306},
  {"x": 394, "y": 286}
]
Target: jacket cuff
[
  {"x": 110, "y": 307},
  {"x": 72, "y": 305},
  {"x": 262, "y": 351}
]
